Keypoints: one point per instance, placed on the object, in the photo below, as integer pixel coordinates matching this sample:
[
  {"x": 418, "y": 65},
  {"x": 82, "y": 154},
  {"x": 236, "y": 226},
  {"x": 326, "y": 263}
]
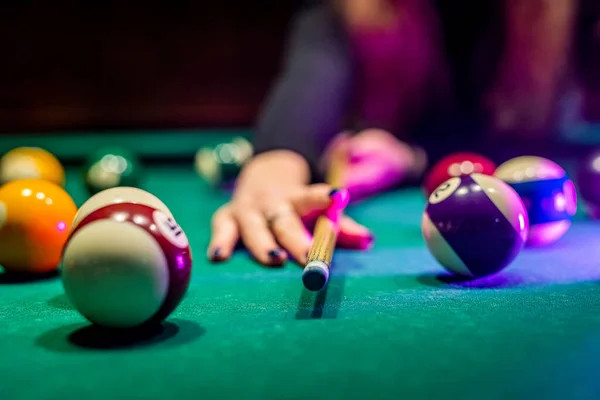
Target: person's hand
[
  {"x": 378, "y": 161},
  {"x": 272, "y": 211}
]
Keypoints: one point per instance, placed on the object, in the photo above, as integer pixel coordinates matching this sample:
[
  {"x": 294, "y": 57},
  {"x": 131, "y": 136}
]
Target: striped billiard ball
[
  {"x": 126, "y": 265},
  {"x": 548, "y": 194},
  {"x": 474, "y": 225},
  {"x": 121, "y": 194}
]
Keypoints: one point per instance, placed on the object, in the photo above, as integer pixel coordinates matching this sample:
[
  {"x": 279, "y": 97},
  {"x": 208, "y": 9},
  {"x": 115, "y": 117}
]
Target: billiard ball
[
  {"x": 121, "y": 194},
  {"x": 222, "y": 164},
  {"x": 457, "y": 164},
  {"x": 126, "y": 265},
  {"x": 548, "y": 193},
  {"x": 31, "y": 163},
  {"x": 35, "y": 218},
  {"x": 108, "y": 168},
  {"x": 474, "y": 225},
  {"x": 588, "y": 181}
]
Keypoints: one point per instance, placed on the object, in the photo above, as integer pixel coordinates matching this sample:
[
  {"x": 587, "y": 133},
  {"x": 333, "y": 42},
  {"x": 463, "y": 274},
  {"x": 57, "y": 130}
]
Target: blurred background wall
[
  {"x": 77, "y": 65},
  {"x": 91, "y": 64}
]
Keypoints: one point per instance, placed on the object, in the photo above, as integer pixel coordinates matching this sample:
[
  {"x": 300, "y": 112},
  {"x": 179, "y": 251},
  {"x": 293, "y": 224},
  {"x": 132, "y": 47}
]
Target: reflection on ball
[
  {"x": 35, "y": 218},
  {"x": 109, "y": 168}
]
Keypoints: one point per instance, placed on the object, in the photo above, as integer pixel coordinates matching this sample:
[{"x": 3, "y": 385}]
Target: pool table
[{"x": 390, "y": 325}]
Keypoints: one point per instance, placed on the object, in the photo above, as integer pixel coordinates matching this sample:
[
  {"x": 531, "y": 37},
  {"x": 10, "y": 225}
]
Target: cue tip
[{"x": 315, "y": 275}]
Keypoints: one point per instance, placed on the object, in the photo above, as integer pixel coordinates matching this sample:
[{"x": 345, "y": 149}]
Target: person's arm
[
  {"x": 309, "y": 102},
  {"x": 534, "y": 67}
]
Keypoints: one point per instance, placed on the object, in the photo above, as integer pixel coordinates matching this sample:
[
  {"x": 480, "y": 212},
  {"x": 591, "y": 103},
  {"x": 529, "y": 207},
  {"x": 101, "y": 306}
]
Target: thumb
[
  {"x": 353, "y": 235},
  {"x": 311, "y": 201}
]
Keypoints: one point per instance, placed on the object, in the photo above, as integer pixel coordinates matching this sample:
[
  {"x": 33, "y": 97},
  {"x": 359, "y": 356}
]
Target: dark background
[
  {"x": 68, "y": 65},
  {"x": 77, "y": 65}
]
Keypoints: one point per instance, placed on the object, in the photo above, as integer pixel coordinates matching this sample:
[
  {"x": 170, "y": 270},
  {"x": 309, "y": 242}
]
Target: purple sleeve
[{"x": 308, "y": 104}]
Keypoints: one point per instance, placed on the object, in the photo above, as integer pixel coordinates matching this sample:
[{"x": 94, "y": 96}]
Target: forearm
[
  {"x": 308, "y": 103},
  {"x": 394, "y": 42},
  {"x": 540, "y": 34}
]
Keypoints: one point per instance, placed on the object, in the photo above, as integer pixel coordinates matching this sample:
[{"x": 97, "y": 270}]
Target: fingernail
[
  {"x": 368, "y": 241},
  {"x": 216, "y": 254},
  {"x": 275, "y": 254}
]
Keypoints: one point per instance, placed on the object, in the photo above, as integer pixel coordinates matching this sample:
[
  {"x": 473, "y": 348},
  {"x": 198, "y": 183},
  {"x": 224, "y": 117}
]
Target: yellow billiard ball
[
  {"x": 35, "y": 219},
  {"x": 31, "y": 163}
]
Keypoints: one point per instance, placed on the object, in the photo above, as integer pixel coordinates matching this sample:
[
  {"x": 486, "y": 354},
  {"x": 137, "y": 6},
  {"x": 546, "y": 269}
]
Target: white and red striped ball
[
  {"x": 548, "y": 193},
  {"x": 120, "y": 194},
  {"x": 474, "y": 225},
  {"x": 126, "y": 265}
]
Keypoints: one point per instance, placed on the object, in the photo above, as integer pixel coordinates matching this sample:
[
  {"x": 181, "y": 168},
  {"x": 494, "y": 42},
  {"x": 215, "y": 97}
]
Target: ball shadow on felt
[
  {"x": 501, "y": 280},
  {"x": 77, "y": 337},
  {"x": 14, "y": 278}
]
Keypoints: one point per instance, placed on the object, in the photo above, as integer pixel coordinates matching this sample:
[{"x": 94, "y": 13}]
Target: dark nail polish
[
  {"x": 216, "y": 253},
  {"x": 275, "y": 254},
  {"x": 333, "y": 192},
  {"x": 369, "y": 240}
]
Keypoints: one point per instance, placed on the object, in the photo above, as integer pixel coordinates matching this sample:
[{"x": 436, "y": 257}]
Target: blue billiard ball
[{"x": 548, "y": 194}]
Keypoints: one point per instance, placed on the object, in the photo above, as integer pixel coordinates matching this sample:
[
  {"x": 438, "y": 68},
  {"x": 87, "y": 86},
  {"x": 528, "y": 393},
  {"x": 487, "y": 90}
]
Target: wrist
[{"x": 278, "y": 165}]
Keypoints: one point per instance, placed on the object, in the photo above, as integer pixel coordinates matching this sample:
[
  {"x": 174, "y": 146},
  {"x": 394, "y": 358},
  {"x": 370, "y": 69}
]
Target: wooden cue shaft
[{"x": 316, "y": 272}]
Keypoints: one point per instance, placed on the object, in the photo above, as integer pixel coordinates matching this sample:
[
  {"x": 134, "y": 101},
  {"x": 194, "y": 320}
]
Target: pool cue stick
[{"x": 316, "y": 270}]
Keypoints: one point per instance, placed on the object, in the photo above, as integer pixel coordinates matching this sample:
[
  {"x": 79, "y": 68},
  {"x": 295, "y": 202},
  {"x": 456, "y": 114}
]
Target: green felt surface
[{"x": 388, "y": 326}]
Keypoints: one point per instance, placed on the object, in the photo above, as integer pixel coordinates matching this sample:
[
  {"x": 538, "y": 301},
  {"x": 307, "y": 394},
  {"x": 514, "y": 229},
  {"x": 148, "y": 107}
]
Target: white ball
[
  {"x": 115, "y": 274},
  {"x": 121, "y": 194}
]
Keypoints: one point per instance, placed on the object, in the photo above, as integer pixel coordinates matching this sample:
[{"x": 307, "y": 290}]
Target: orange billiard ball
[
  {"x": 31, "y": 163},
  {"x": 35, "y": 219}
]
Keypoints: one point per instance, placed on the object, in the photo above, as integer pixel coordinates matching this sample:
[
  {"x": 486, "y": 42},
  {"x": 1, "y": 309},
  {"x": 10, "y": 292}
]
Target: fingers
[
  {"x": 257, "y": 237},
  {"x": 224, "y": 235},
  {"x": 313, "y": 200},
  {"x": 291, "y": 234},
  {"x": 266, "y": 240},
  {"x": 353, "y": 235}
]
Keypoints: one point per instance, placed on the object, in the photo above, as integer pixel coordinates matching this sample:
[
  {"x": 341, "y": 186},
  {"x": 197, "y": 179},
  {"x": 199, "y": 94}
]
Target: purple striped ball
[{"x": 475, "y": 225}]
